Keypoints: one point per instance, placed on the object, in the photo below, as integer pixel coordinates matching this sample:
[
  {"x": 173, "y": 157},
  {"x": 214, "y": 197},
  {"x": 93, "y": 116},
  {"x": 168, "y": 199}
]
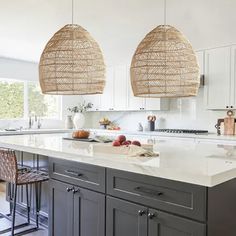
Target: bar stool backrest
[{"x": 8, "y": 165}]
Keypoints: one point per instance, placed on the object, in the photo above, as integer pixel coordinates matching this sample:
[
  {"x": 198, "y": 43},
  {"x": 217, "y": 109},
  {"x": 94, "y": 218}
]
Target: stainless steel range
[{"x": 182, "y": 131}]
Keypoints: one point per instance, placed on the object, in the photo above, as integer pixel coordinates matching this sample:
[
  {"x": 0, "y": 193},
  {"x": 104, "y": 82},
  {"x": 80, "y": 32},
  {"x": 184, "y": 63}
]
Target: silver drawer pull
[
  {"x": 72, "y": 172},
  {"x": 149, "y": 192}
]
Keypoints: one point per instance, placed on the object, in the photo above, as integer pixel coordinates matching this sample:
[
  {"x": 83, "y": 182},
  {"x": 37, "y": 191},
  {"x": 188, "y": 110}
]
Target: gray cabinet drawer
[
  {"x": 83, "y": 175},
  {"x": 171, "y": 196}
]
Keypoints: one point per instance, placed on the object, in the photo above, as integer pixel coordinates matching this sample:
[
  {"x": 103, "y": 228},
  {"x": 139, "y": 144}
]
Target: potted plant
[{"x": 78, "y": 111}]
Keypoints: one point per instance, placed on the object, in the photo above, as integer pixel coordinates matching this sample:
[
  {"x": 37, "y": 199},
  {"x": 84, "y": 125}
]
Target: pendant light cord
[
  {"x": 73, "y": 68},
  {"x": 165, "y": 43},
  {"x": 164, "y": 12},
  {"x": 72, "y": 12}
]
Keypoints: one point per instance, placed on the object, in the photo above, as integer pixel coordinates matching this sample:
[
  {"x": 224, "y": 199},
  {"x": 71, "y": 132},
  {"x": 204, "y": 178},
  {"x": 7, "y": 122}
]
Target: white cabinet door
[
  {"x": 107, "y": 101},
  {"x": 95, "y": 100},
  {"x": 233, "y": 78},
  {"x": 134, "y": 103},
  {"x": 120, "y": 88},
  {"x": 200, "y": 58},
  {"x": 217, "y": 78},
  {"x": 156, "y": 104}
]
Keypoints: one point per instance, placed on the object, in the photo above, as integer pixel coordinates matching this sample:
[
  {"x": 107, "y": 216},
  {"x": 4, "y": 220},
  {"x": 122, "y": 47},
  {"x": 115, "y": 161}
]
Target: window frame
[{"x": 26, "y": 101}]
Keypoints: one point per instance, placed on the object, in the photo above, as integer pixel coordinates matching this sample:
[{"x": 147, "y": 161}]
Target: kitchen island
[{"x": 190, "y": 189}]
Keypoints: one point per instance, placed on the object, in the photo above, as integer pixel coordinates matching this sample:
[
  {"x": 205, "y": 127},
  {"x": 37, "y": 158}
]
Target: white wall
[
  {"x": 18, "y": 69},
  {"x": 117, "y": 25},
  {"x": 186, "y": 113}
]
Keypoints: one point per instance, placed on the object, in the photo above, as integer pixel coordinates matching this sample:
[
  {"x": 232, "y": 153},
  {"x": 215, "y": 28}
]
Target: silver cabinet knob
[
  {"x": 151, "y": 215},
  {"x": 141, "y": 212},
  {"x": 69, "y": 189},
  {"x": 74, "y": 191}
]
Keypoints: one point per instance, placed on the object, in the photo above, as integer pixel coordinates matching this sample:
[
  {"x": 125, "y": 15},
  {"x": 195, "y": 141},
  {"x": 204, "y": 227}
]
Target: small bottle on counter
[{"x": 140, "y": 127}]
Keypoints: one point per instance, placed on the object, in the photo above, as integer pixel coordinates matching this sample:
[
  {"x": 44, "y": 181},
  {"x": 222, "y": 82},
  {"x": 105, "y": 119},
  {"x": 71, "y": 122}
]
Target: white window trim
[{"x": 26, "y": 102}]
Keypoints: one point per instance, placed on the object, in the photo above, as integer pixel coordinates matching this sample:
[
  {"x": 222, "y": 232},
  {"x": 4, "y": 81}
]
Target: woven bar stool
[{"x": 10, "y": 173}]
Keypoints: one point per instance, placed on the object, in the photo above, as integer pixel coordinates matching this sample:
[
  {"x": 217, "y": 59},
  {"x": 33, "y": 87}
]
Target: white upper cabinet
[
  {"x": 149, "y": 104},
  {"x": 120, "y": 88},
  {"x": 95, "y": 100},
  {"x": 134, "y": 103},
  {"x": 200, "y": 58},
  {"x": 152, "y": 104},
  {"x": 107, "y": 98},
  {"x": 218, "y": 78},
  {"x": 118, "y": 94},
  {"x": 233, "y": 77}
]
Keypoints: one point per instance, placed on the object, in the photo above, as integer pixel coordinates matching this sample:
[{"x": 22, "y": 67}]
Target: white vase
[
  {"x": 69, "y": 123},
  {"x": 79, "y": 120}
]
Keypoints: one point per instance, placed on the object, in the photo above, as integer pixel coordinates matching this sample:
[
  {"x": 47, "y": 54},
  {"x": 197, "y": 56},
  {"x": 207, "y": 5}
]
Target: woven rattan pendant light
[
  {"x": 72, "y": 63},
  {"x": 164, "y": 65}
]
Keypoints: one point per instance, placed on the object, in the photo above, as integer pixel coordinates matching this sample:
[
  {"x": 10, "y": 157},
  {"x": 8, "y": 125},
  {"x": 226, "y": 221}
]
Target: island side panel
[{"x": 222, "y": 209}]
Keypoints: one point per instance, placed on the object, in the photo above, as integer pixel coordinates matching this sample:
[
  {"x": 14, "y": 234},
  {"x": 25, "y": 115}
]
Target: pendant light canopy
[
  {"x": 72, "y": 63},
  {"x": 164, "y": 65}
]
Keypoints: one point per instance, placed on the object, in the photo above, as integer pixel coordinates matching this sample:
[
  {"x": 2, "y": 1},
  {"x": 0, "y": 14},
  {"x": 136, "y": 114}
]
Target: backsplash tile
[{"x": 188, "y": 113}]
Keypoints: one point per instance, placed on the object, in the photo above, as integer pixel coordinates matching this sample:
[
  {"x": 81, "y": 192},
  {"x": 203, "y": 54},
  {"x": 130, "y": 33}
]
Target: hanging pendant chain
[{"x": 164, "y": 12}]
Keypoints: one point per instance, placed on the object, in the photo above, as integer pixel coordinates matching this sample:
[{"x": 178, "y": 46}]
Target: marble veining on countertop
[{"x": 206, "y": 164}]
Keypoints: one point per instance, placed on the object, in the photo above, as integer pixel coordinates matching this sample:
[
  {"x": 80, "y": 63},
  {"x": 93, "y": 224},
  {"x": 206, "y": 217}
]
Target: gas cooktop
[{"x": 182, "y": 131}]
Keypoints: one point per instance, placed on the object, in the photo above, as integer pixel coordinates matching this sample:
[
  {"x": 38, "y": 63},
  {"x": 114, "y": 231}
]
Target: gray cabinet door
[
  {"x": 164, "y": 224},
  {"x": 61, "y": 209},
  {"x": 89, "y": 213},
  {"x": 125, "y": 219}
]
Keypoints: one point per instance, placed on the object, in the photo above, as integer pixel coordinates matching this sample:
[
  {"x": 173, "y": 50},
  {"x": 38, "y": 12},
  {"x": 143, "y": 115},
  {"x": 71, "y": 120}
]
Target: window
[
  {"x": 42, "y": 105},
  {"x": 11, "y": 99},
  {"x": 20, "y": 99}
]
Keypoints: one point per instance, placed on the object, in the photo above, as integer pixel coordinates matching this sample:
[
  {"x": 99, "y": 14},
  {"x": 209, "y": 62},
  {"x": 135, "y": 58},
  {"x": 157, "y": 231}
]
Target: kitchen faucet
[
  {"x": 31, "y": 122},
  {"x": 39, "y": 123},
  {"x": 34, "y": 120}
]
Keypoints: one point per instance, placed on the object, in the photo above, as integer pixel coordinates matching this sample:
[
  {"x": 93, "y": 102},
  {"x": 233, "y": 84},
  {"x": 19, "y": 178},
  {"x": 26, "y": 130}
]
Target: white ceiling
[{"x": 117, "y": 25}]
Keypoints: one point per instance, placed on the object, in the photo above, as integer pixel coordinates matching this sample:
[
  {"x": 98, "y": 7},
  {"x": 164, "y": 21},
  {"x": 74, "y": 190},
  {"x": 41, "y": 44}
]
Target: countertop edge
[{"x": 202, "y": 180}]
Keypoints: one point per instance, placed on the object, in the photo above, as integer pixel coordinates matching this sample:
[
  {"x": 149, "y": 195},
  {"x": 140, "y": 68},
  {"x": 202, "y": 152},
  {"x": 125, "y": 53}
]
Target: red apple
[
  {"x": 116, "y": 143},
  {"x": 126, "y": 143},
  {"x": 121, "y": 138},
  {"x": 137, "y": 143}
]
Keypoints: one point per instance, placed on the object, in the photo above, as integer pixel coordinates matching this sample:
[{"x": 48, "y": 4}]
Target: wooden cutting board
[{"x": 229, "y": 125}]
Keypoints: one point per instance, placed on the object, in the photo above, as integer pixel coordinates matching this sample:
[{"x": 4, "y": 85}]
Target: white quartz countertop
[
  {"x": 206, "y": 164},
  {"x": 153, "y": 134}
]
